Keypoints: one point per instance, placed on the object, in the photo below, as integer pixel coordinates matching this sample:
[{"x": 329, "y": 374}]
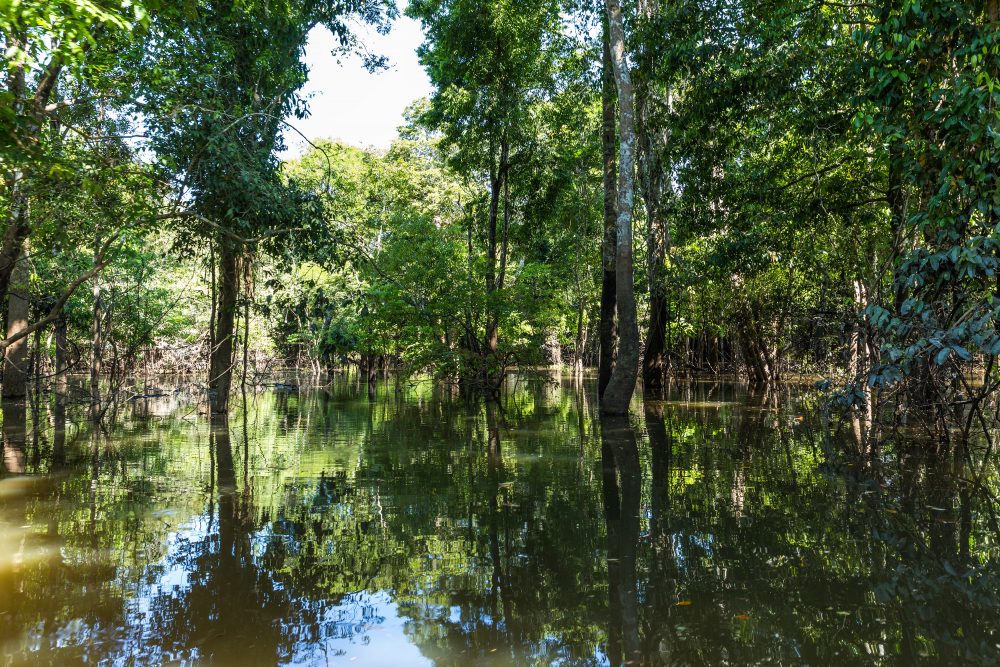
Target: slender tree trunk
[
  {"x": 96, "y": 346},
  {"x": 618, "y": 393},
  {"x": 896, "y": 196},
  {"x": 493, "y": 279},
  {"x": 36, "y": 364},
  {"x": 15, "y": 366},
  {"x": 372, "y": 375},
  {"x": 655, "y": 361},
  {"x": 581, "y": 337},
  {"x": 214, "y": 296},
  {"x": 654, "y": 180},
  {"x": 220, "y": 365},
  {"x": 247, "y": 294},
  {"x": 608, "y": 330}
]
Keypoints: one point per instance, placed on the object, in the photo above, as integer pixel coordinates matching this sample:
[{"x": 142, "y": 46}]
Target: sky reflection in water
[{"x": 417, "y": 529}]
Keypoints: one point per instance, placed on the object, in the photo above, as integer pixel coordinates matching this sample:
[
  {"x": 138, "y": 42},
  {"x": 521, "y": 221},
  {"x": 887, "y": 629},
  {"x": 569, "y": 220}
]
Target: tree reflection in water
[{"x": 417, "y": 528}]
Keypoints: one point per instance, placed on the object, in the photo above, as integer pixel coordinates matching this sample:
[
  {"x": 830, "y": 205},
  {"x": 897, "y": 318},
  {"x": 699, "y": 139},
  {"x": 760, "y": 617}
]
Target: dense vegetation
[{"x": 763, "y": 189}]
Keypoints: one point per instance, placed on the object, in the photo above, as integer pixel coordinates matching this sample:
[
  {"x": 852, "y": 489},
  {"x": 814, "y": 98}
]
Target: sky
[{"x": 347, "y": 102}]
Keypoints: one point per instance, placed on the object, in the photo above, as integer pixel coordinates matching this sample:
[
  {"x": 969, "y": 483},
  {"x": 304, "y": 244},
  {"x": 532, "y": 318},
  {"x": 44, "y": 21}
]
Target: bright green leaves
[
  {"x": 220, "y": 89},
  {"x": 35, "y": 31}
]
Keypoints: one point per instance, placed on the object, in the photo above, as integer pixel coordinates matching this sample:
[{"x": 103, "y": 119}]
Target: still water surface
[{"x": 320, "y": 527}]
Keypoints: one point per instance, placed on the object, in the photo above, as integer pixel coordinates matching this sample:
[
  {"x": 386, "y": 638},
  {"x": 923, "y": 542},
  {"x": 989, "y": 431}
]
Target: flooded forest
[{"x": 662, "y": 333}]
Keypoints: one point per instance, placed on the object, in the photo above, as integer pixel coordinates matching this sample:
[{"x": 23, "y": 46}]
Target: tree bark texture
[
  {"x": 654, "y": 181},
  {"x": 220, "y": 373},
  {"x": 608, "y": 330},
  {"x": 15, "y": 365},
  {"x": 618, "y": 393}
]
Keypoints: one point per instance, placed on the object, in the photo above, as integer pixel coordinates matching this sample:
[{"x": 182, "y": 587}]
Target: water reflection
[
  {"x": 414, "y": 528},
  {"x": 621, "y": 482}
]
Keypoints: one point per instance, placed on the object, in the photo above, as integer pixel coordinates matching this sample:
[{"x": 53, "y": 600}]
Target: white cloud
[{"x": 347, "y": 102}]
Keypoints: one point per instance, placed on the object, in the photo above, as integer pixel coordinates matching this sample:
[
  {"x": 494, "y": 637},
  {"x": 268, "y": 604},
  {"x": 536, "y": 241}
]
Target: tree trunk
[
  {"x": 896, "y": 196},
  {"x": 32, "y": 106},
  {"x": 494, "y": 278},
  {"x": 654, "y": 181},
  {"x": 36, "y": 365},
  {"x": 620, "y": 388},
  {"x": 372, "y": 372},
  {"x": 553, "y": 348},
  {"x": 581, "y": 337},
  {"x": 15, "y": 366},
  {"x": 14, "y": 238},
  {"x": 608, "y": 330},
  {"x": 62, "y": 349},
  {"x": 14, "y": 431},
  {"x": 220, "y": 373},
  {"x": 96, "y": 346}
]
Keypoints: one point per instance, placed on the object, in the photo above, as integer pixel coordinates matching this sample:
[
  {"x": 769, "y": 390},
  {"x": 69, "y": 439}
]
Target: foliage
[{"x": 935, "y": 101}]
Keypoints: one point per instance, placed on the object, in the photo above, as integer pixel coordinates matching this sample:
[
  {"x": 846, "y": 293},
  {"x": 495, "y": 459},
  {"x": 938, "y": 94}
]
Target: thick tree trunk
[
  {"x": 32, "y": 106},
  {"x": 760, "y": 359},
  {"x": 13, "y": 239},
  {"x": 14, "y": 432},
  {"x": 618, "y": 393},
  {"x": 608, "y": 330},
  {"x": 220, "y": 365},
  {"x": 15, "y": 365}
]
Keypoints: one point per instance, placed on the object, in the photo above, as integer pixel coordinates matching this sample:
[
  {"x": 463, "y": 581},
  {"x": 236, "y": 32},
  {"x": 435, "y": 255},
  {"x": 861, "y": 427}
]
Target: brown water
[{"x": 318, "y": 527}]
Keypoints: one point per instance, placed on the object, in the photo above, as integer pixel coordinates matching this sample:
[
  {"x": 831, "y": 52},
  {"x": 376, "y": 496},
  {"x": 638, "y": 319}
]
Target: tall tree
[
  {"x": 653, "y": 123},
  {"x": 608, "y": 329},
  {"x": 219, "y": 128},
  {"x": 45, "y": 47},
  {"x": 618, "y": 393},
  {"x": 490, "y": 65},
  {"x": 935, "y": 100}
]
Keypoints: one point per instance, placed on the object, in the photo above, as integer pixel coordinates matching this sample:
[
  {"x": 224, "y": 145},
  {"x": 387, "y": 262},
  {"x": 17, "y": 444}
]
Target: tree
[
  {"x": 49, "y": 50},
  {"x": 934, "y": 99},
  {"x": 490, "y": 65},
  {"x": 218, "y": 130},
  {"x": 618, "y": 393},
  {"x": 609, "y": 145}
]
